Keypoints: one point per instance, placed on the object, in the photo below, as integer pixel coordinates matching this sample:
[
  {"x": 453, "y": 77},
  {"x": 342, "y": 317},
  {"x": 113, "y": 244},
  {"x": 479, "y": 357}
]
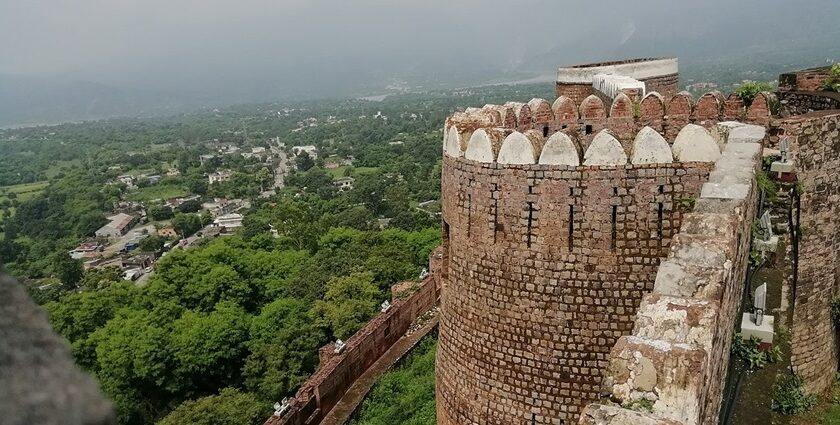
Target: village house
[
  {"x": 228, "y": 221},
  {"x": 118, "y": 226},
  {"x": 344, "y": 183},
  {"x": 220, "y": 176},
  {"x": 89, "y": 249},
  {"x": 312, "y": 151}
]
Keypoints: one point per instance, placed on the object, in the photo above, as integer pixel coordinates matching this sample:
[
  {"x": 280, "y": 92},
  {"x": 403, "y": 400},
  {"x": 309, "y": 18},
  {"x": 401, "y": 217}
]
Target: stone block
[
  {"x": 668, "y": 375},
  {"x": 782, "y": 167},
  {"x": 725, "y": 191},
  {"x": 608, "y": 414},
  {"x": 764, "y": 332},
  {"x": 677, "y": 320}
]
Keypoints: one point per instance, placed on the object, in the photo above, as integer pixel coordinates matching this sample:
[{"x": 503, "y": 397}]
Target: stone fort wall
[
  {"x": 337, "y": 372},
  {"x": 676, "y": 357},
  {"x": 556, "y": 219},
  {"x": 815, "y": 143},
  {"x": 551, "y": 243},
  {"x": 547, "y": 267}
]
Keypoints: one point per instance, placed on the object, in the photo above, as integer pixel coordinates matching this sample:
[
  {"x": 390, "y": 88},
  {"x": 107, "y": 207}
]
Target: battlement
[
  {"x": 565, "y": 133},
  {"x": 655, "y": 74}
]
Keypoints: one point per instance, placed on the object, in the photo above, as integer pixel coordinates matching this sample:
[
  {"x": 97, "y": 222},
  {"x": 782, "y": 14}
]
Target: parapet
[
  {"x": 676, "y": 358},
  {"x": 638, "y": 76},
  {"x": 590, "y": 134},
  {"x": 639, "y": 69}
]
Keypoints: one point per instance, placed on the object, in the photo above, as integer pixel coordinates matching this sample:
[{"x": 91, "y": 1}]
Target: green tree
[
  {"x": 284, "y": 349},
  {"x": 160, "y": 212},
  {"x": 303, "y": 161},
  {"x": 209, "y": 348},
  {"x": 95, "y": 279},
  {"x": 67, "y": 270},
  {"x": 229, "y": 407},
  {"x": 186, "y": 224},
  {"x": 153, "y": 243},
  {"x": 348, "y": 303},
  {"x": 263, "y": 178}
]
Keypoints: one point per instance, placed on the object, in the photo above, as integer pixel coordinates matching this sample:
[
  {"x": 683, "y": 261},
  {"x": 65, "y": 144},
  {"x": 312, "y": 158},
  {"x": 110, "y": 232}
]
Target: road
[
  {"x": 115, "y": 247},
  {"x": 282, "y": 167}
]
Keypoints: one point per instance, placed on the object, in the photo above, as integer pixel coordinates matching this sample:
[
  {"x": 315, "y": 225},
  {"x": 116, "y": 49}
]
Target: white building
[
  {"x": 118, "y": 226},
  {"x": 345, "y": 183},
  {"x": 229, "y": 221},
  {"x": 220, "y": 176},
  {"x": 309, "y": 149}
]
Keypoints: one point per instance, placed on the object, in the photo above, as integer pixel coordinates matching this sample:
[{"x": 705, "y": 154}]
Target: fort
[
  {"x": 595, "y": 251},
  {"x": 594, "y": 259},
  {"x": 596, "y": 247}
]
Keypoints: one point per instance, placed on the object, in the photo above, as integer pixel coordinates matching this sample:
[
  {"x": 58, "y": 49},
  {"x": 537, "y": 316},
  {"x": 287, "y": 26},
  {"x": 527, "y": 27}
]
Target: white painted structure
[{"x": 640, "y": 70}]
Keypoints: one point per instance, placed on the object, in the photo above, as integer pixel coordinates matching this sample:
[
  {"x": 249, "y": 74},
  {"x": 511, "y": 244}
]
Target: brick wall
[
  {"x": 667, "y": 85},
  {"x": 805, "y": 80},
  {"x": 677, "y": 355},
  {"x": 337, "y": 372},
  {"x": 546, "y": 268},
  {"x": 815, "y": 139}
]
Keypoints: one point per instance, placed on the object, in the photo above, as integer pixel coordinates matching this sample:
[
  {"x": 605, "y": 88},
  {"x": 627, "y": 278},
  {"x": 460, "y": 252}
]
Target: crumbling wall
[
  {"x": 815, "y": 142},
  {"x": 337, "y": 372},
  {"x": 671, "y": 369}
]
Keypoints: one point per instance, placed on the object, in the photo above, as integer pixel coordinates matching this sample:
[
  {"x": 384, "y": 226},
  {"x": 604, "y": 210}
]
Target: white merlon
[
  {"x": 611, "y": 84},
  {"x": 605, "y": 150},
  {"x": 484, "y": 143},
  {"x": 639, "y": 70},
  {"x": 560, "y": 150},
  {"x": 695, "y": 143},
  {"x": 650, "y": 147},
  {"x": 452, "y": 143},
  {"x": 516, "y": 149}
]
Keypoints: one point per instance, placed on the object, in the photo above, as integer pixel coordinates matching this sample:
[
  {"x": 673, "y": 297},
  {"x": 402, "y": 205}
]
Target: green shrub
[
  {"x": 640, "y": 405},
  {"x": 789, "y": 398},
  {"x": 832, "y": 83},
  {"x": 748, "y": 91},
  {"x": 765, "y": 183},
  {"x": 750, "y": 354},
  {"x": 835, "y": 310}
]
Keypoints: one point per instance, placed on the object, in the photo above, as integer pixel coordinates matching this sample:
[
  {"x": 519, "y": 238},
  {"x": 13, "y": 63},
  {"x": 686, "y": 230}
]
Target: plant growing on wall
[
  {"x": 835, "y": 311},
  {"x": 832, "y": 83},
  {"x": 748, "y": 91}
]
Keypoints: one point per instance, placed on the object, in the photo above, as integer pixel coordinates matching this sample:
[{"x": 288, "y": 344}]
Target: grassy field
[
  {"x": 22, "y": 192},
  {"x": 161, "y": 191},
  {"x": 59, "y": 166},
  {"x": 338, "y": 173}
]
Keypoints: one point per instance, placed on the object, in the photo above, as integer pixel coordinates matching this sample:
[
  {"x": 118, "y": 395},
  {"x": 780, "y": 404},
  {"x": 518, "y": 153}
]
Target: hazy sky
[{"x": 262, "y": 45}]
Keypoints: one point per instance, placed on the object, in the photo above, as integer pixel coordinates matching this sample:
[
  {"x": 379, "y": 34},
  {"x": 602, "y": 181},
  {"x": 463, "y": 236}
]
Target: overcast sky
[{"x": 276, "y": 45}]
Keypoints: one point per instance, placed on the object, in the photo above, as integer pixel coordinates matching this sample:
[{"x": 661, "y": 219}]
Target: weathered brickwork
[
  {"x": 816, "y": 139},
  {"x": 804, "y": 80},
  {"x": 799, "y": 103},
  {"x": 337, "y": 372},
  {"x": 547, "y": 266},
  {"x": 676, "y": 357}
]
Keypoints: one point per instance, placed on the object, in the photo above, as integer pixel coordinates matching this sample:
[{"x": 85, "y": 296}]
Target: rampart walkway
[{"x": 342, "y": 411}]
